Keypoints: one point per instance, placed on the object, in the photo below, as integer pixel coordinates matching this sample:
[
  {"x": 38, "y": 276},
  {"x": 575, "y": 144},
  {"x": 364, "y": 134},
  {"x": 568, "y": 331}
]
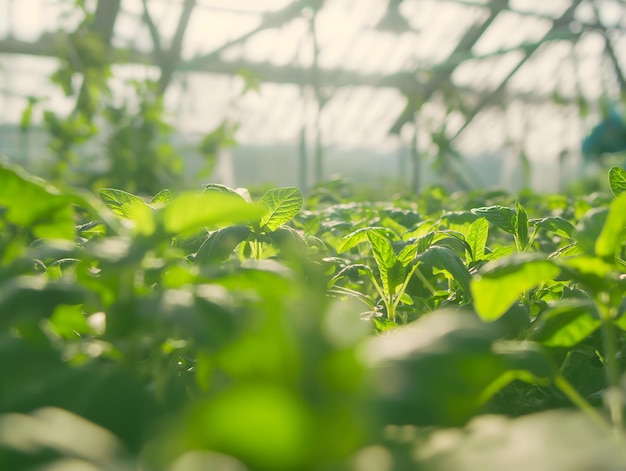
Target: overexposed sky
[{"x": 354, "y": 116}]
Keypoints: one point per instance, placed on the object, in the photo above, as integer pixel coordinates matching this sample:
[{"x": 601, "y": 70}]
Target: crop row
[{"x": 213, "y": 330}]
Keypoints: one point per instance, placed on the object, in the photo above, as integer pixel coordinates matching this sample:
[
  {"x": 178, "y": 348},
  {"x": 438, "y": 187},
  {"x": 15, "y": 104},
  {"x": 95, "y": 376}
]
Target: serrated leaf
[
  {"x": 477, "y": 238},
  {"x": 121, "y": 202},
  {"x": 407, "y": 254},
  {"x": 385, "y": 259},
  {"x": 162, "y": 198},
  {"x": 360, "y": 235},
  {"x": 501, "y": 283},
  {"x": 383, "y": 251},
  {"x": 558, "y": 225},
  {"x": 617, "y": 180},
  {"x": 499, "y": 216},
  {"x": 281, "y": 205}
]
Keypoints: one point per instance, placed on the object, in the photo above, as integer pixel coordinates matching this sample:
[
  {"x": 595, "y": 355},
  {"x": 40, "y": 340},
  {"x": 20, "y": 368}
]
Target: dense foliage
[{"x": 213, "y": 330}]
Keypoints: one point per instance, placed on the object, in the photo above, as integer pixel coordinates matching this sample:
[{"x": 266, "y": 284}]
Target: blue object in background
[{"x": 608, "y": 137}]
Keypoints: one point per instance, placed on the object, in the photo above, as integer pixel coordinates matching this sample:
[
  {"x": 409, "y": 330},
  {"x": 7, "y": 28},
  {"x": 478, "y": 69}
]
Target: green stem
[
  {"x": 613, "y": 394},
  {"x": 517, "y": 245},
  {"x": 391, "y": 312},
  {"x": 256, "y": 249},
  {"x": 423, "y": 279},
  {"x": 531, "y": 241},
  {"x": 405, "y": 283},
  {"x": 573, "y": 395}
]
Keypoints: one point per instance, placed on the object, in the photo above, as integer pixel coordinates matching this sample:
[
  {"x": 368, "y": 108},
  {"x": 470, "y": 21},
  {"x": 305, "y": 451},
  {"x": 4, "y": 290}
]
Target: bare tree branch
[
  {"x": 154, "y": 32},
  {"x": 172, "y": 57}
]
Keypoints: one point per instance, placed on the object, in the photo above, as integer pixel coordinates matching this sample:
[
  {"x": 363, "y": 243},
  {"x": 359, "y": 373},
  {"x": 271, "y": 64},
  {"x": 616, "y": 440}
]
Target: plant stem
[
  {"x": 403, "y": 287},
  {"x": 573, "y": 395},
  {"x": 613, "y": 394},
  {"x": 256, "y": 249},
  {"x": 423, "y": 279}
]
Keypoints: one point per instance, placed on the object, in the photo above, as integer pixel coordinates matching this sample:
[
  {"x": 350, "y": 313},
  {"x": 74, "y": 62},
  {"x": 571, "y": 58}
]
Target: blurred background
[{"x": 399, "y": 94}]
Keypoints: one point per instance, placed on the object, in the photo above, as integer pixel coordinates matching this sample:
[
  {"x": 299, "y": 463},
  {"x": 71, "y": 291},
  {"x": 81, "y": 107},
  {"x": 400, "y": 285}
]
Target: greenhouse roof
[{"x": 485, "y": 75}]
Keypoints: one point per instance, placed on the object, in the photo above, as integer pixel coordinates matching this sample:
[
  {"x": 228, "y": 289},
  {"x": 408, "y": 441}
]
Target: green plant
[{"x": 201, "y": 330}]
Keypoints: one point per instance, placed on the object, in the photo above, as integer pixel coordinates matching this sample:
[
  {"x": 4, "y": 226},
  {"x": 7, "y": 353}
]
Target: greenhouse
[
  {"x": 362, "y": 235},
  {"x": 478, "y": 93}
]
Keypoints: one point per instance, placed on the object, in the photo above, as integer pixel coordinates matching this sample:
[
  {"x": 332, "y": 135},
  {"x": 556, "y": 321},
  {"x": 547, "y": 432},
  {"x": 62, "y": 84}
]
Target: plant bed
[{"x": 212, "y": 330}]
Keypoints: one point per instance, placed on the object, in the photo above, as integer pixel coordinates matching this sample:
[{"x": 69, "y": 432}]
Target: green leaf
[
  {"x": 592, "y": 272},
  {"x": 30, "y": 298},
  {"x": 192, "y": 211},
  {"x": 360, "y": 235},
  {"x": 223, "y": 189},
  {"x": 558, "y": 225},
  {"x": 219, "y": 245},
  {"x": 499, "y": 216},
  {"x": 69, "y": 321},
  {"x": 281, "y": 205},
  {"x": 459, "y": 217},
  {"x": 121, "y": 202},
  {"x": 521, "y": 225},
  {"x": 501, "y": 283},
  {"x": 434, "y": 355},
  {"x": 385, "y": 259},
  {"x": 383, "y": 251},
  {"x": 446, "y": 260},
  {"x": 162, "y": 198},
  {"x": 499, "y": 252},
  {"x": 350, "y": 271},
  {"x": 477, "y": 238},
  {"x": 407, "y": 254},
  {"x": 613, "y": 232},
  {"x": 565, "y": 324},
  {"x": 589, "y": 228},
  {"x": 617, "y": 180},
  {"x": 34, "y": 204},
  {"x": 566, "y": 251}
]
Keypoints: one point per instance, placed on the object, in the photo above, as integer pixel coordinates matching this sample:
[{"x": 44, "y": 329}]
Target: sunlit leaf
[
  {"x": 521, "y": 225},
  {"x": 499, "y": 216},
  {"x": 613, "y": 232},
  {"x": 558, "y": 225},
  {"x": 500, "y": 284},
  {"x": 477, "y": 238},
  {"x": 617, "y": 180},
  {"x": 443, "y": 259},
  {"x": 120, "y": 202},
  {"x": 162, "y": 198},
  {"x": 565, "y": 324},
  {"x": 281, "y": 206},
  {"x": 192, "y": 211},
  {"x": 360, "y": 235}
]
